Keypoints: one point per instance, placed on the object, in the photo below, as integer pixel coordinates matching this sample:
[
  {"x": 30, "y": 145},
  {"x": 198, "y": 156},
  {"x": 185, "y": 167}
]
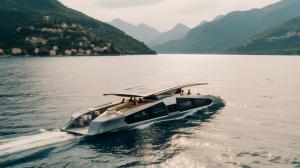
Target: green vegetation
[
  {"x": 43, "y": 24},
  {"x": 282, "y": 39}
]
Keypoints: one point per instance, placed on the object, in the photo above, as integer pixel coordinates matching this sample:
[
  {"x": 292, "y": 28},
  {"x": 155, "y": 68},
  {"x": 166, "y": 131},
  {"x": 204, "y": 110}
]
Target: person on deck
[
  {"x": 130, "y": 100},
  {"x": 140, "y": 100},
  {"x": 189, "y": 92},
  {"x": 134, "y": 101}
]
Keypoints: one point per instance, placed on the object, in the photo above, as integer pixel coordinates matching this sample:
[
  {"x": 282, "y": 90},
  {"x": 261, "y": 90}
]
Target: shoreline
[{"x": 48, "y": 56}]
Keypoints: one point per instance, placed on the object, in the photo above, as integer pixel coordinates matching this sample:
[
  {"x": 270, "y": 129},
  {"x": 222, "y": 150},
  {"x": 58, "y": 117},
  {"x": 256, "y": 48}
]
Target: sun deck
[
  {"x": 150, "y": 90},
  {"x": 121, "y": 109}
]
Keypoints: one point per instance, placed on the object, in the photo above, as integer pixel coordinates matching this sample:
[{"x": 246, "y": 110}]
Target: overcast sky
[{"x": 162, "y": 14}]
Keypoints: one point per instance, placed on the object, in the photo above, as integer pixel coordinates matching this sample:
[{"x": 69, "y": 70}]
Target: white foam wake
[{"x": 21, "y": 144}]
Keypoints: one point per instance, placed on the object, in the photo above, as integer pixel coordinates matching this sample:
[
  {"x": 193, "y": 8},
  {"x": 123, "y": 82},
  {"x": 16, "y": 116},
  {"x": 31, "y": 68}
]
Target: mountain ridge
[
  {"x": 220, "y": 35},
  {"x": 179, "y": 31},
  {"x": 142, "y": 32},
  {"x": 150, "y": 35}
]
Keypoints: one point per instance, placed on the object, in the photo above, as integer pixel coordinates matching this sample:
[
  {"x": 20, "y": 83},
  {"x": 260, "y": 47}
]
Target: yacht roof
[{"x": 150, "y": 90}]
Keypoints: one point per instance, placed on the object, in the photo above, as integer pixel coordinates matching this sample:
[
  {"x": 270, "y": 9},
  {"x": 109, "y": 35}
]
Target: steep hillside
[
  {"x": 41, "y": 25},
  {"x": 282, "y": 39},
  {"x": 230, "y": 30}
]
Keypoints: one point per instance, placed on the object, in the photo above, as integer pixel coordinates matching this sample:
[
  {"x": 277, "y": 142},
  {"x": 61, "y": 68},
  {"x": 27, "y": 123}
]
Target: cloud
[{"x": 126, "y": 3}]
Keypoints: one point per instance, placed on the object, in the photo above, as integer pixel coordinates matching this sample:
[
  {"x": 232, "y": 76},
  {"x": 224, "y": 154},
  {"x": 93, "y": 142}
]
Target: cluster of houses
[
  {"x": 68, "y": 52},
  {"x": 84, "y": 45},
  {"x": 73, "y": 51},
  {"x": 285, "y": 36},
  {"x": 54, "y": 51},
  {"x": 14, "y": 51}
]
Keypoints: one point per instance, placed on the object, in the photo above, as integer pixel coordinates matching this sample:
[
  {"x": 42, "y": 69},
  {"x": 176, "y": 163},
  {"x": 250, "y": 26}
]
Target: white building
[
  {"x": 80, "y": 51},
  {"x": 52, "y": 52},
  {"x": 88, "y": 52},
  {"x": 55, "y": 48},
  {"x": 74, "y": 51},
  {"x": 52, "y": 30},
  {"x": 1, "y": 51},
  {"x": 68, "y": 52},
  {"x": 36, "y": 51},
  {"x": 47, "y": 18},
  {"x": 98, "y": 49},
  {"x": 16, "y": 51},
  {"x": 35, "y": 40},
  {"x": 64, "y": 25}
]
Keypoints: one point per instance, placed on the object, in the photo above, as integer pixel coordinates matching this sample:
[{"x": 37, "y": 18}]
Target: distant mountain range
[
  {"x": 141, "y": 32},
  {"x": 150, "y": 35},
  {"x": 178, "y": 32},
  {"x": 226, "y": 32},
  {"x": 47, "y": 27},
  {"x": 282, "y": 39}
]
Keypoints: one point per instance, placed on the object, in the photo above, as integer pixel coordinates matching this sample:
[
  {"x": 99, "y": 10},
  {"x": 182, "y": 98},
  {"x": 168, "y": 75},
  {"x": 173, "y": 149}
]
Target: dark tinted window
[
  {"x": 185, "y": 104},
  {"x": 173, "y": 108},
  {"x": 146, "y": 114},
  {"x": 202, "y": 102},
  {"x": 138, "y": 117},
  {"x": 158, "y": 110}
]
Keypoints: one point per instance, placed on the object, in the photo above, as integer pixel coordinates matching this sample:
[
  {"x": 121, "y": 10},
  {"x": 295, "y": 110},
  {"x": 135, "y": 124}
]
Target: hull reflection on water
[{"x": 151, "y": 144}]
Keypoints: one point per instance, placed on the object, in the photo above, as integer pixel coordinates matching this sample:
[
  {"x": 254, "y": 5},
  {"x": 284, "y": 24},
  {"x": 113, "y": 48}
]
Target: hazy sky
[{"x": 162, "y": 14}]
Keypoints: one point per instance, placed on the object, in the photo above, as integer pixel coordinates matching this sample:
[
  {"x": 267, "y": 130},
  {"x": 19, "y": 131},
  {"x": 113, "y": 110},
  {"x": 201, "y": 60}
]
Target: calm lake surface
[{"x": 259, "y": 127}]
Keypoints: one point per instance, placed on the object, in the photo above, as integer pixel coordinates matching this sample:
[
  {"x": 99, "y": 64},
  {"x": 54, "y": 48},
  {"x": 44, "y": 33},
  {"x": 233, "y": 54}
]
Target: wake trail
[{"x": 25, "y": 143}]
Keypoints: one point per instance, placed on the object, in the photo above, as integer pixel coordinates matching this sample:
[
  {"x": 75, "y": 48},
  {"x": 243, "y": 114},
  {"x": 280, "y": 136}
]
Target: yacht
[{"x": 141, "y": 105}]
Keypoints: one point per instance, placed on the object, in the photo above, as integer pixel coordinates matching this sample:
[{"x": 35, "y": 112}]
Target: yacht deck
[{"x": 120, "y": 109}]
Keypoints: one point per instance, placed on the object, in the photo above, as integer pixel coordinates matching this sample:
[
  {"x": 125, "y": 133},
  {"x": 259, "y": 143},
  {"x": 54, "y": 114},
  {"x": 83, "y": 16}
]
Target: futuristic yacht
[{"x": 141, "y": 105}]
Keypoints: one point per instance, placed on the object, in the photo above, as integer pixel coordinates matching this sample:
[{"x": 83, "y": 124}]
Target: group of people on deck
[
  {"x": 133, "y": 100},
  {"x": 136, "y": 101},
  {"x": 188, "y": 93}
]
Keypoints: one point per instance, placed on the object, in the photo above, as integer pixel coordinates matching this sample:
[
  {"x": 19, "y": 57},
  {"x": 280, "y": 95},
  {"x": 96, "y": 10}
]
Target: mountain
[
  {"x": 218, "y": 18},
  {"x": 202, "y": 23},
  {"x": 232, "y": 29},
  {"x": 177, "y": 33},
  {"x": 282, "y": 39},
  {"x": 142, "y": 32},
  {"x": 44, "y": 27}
]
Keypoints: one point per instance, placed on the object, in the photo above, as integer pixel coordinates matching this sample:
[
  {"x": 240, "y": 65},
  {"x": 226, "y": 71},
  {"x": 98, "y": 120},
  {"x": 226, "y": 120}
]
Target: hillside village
[{"x": 52, "y": 38}]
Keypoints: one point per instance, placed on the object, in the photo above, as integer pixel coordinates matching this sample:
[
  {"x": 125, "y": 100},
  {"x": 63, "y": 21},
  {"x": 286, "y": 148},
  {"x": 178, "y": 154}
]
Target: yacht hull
[{"x": 118, "y": 123}]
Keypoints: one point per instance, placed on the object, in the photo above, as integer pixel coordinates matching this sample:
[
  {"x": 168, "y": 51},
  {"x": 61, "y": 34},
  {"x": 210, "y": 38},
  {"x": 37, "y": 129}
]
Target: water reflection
[
  {"x": 152, "y": 145},
  {"x": 261, "y": 116}
]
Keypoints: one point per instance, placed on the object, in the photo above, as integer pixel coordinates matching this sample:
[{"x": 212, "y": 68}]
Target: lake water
[{"x": 259, "y": 127}]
